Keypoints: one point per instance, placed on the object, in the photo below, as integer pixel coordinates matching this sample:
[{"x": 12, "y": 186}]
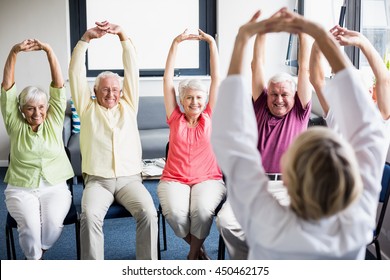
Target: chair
[
  {"x": 383, "y": 201},
  {"x": 71, "y": 218},
  {"x": 221, "y": 243}
]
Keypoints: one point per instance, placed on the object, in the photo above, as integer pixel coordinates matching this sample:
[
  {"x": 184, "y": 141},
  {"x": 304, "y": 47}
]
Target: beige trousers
[{"x": 98, "y": 195}]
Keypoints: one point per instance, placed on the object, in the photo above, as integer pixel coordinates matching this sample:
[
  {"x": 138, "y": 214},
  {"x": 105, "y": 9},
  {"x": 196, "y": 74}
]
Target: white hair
[
  {"x": 191, "y": 84},
  {"x": 32, "y": 94},
  {"x": 283, "y": 78},
  {"x": 106, "y": 74}
]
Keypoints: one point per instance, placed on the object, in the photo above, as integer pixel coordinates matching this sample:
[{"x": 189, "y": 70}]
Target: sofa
[{"x": 152, "y": 126}]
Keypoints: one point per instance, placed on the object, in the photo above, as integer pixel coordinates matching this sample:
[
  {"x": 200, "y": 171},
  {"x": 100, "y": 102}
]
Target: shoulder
[{"x": 176, "y": 114}]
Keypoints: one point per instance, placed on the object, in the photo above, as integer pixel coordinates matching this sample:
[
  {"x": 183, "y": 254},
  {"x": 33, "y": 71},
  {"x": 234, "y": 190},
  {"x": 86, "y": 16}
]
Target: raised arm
[
  {"x": 9, "y": 67},
  {"x": 257, "y": 65},
  {"x": 214, "y": 67},
  {"x": 169, "y": 86},
  {"x": 317, "y": 75},
  {"x": 130, "y": 63},
  {"x": 78, "y": 82},
  {"x": 304, "y": 86},
  {"x": 55, "y": 68},
  {"x": 353, "y": 38}
]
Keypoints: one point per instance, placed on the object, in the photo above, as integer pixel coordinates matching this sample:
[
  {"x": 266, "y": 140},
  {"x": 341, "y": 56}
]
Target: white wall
[{"x": 232, "y": 14}]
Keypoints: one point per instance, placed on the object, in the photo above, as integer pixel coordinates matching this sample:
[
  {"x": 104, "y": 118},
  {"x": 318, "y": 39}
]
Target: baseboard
[{"x": 3, "y": 163}]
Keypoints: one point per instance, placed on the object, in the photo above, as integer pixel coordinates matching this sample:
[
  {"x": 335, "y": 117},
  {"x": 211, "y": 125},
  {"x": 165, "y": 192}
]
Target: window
[
  {"x": 371, "y": 17},
  {"x": 327, "y": 13},
  {"x": 151, "y": 29},
  {"x": 376, "y": 28}
]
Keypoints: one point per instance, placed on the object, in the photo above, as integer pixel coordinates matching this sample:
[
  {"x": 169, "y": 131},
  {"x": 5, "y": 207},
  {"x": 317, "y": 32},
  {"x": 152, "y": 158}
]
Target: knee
[
  {"x": 221, "y": 221},
  {"x": 176, "y": 216},
  {"x": 146, "y": 213},
  {"x": 202, "y": 213},
  {"x": 90, "y": 217}
]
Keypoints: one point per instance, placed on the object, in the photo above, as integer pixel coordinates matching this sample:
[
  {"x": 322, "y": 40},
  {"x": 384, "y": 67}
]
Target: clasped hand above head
[
  {"x": 30, "y": 45},
  {"x": 201, "y": 36},
  {"x": 281, "y": 21},
  {"x": 102, "y": 28}
]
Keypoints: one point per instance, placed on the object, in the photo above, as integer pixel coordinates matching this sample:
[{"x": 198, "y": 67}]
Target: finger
[
  {"x": 280, "y": 12},
  {"x": 255, "y": 16},
  {"x": 193, "y": 37},
  {"x": 103, "y": 28},
  {"x": 101, "y": 23}
]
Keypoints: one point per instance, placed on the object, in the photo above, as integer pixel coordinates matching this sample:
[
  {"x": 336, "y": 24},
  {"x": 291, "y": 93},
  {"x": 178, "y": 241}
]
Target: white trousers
[
  {"x": 39, "y": 214},
  {"x": 230, "y": 229},
  {"x": 190, "y": 209},
  {"x": 98, "y": 195}
]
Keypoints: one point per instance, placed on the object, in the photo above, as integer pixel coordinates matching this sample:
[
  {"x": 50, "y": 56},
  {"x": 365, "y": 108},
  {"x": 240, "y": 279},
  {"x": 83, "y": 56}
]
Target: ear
[{"x": 20, "y": 110}]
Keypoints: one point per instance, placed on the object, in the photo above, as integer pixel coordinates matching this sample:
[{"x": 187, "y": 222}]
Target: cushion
[{"x": 75, "y": 119}]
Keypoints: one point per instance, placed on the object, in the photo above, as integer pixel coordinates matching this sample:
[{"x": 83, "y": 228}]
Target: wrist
[{"x": 84, "y": 39}]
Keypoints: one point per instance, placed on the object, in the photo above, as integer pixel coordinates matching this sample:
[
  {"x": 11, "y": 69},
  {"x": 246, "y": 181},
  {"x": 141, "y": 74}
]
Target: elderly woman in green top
[{"x": 37, "y": 196}]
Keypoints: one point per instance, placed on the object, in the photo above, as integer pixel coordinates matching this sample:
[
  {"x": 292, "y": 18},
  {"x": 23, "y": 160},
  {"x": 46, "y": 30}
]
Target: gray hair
[
  {"x": 33, "y": 94},
  {"x": 283, "y": 78},
  {"x": 106, "y": 74},
  {"x": 192, "y": 84}
]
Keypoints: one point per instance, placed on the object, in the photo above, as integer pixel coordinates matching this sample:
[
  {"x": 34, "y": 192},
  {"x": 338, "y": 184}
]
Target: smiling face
[
  {"x": 280, "y": 98},
  {"x": 108, "y": 92},
  {"x": 34, "y": 112},
  {"x": 194, "y": 102}
]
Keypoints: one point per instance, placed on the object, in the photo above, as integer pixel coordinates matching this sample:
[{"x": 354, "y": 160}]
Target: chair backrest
[{"x": 384, "y": 197}]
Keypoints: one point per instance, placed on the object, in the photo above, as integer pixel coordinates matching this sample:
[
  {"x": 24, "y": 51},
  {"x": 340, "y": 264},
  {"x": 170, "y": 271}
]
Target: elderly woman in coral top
[{"x": 191, "y": 185}]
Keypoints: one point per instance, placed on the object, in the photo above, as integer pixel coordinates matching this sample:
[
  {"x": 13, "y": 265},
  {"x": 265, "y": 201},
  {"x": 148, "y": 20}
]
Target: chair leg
[
  {"x": 164, "y": 233},
  {"x": 8, "y": 242},
  {"x": 158, "y": 236},
  {"x": 377, "y": 250},
  {"x": 11, "y": 252},
  {"x": 164, "y": 228},
  {"x": 221, "y": 248},
  {"x": 77, "y": 229}
]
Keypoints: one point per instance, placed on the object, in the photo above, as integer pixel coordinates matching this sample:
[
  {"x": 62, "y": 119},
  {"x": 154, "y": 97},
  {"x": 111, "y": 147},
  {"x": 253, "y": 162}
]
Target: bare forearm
[
  {"x": 9, "y": 70},
  {"x": 317, "y": 75},
  {"x": 170, "y": 64},
  {"x": 330, "y": 48},
  {"x": 382, "y": 77},
  {"x": 55, "y": 68},
  {"x": 214, "y": 73},
  {"x": 235, "y": 67},
  {"x": 214, "y": 61},
  {"x": 257, "y": 66}
]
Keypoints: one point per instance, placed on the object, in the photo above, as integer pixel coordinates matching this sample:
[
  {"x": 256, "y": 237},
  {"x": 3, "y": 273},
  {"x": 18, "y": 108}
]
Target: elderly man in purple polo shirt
[{"x": 282, "y": 110}]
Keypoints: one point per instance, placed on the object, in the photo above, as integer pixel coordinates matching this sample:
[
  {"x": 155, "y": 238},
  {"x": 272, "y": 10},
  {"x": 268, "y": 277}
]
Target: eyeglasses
[{"x": 108, "y": 90}]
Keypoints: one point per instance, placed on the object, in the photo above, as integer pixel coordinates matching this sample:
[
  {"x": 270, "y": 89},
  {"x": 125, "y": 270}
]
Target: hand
[
  {"x": 278, "y": 22},
  {"x": 42, "y": 46},
  {"x": 205, "y": 37},
  {"x": 94, "y": 33},
  {"x": 186, "y": 36},
  {"x": 109, "y": 27},
  {"x": 26, "y": 46},
  {"x": 346, "y": 37}
]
